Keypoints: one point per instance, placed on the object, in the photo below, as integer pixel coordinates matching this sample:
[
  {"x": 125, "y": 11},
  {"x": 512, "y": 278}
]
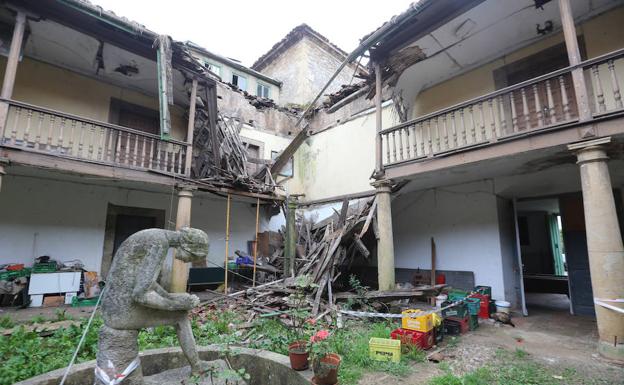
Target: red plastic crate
[
  {"x": 413, "y": 337},
  {"x": 484, "y": 310},
  {"x": 464, "y": 322}
]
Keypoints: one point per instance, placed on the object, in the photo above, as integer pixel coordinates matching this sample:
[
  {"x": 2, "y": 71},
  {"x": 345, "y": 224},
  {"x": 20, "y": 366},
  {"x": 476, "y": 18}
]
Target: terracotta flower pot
[
  {"x": 298, "y": 355},
  {"x": 326, "y": 369}
]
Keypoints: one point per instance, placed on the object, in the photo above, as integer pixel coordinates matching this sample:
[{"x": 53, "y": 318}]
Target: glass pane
[{"x": 242, "y": 83}]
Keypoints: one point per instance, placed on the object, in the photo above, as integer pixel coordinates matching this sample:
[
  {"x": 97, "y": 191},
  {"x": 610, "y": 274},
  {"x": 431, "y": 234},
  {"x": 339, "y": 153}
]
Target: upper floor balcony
[
  {"x": 45, "y": 131},
  {"x": 483, "y": 80},
  {"x": 538, "y": 105}
]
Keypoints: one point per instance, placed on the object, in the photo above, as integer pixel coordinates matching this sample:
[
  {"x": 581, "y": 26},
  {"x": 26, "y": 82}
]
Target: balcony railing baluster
[
  {"x": 85, "y": 139},
  {"x": 615, "y": 84},
  {"x": 511, "y": 112}
]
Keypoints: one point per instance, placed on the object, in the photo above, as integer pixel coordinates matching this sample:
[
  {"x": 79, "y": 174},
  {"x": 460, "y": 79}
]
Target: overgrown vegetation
[
  {"x": 26, "y": 354},
  {"x": 513, "y": 368}
]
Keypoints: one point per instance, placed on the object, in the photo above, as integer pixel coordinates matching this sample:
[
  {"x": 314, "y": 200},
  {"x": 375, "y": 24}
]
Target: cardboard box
[{"x": 53, "y": 300}]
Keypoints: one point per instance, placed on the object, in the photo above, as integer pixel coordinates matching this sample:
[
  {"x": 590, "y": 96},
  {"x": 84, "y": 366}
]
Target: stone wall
[{"x": 304, "y": 69}]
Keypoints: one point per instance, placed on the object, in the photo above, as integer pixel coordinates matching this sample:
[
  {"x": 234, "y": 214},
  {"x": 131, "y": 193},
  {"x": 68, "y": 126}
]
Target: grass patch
[
  {"x": 514, "y": 368},
  {"x": 26, "y": 354}
]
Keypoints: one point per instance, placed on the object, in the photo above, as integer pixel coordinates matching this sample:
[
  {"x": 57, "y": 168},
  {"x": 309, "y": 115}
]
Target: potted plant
[
  {"x": 299, "y": 315},
  {"x": 325, "y": 363}
]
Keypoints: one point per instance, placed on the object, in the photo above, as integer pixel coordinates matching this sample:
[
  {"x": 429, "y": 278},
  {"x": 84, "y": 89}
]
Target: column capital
[
  {"x": 185, "y": 190},
  {"x": 382, "y": 185},
  {"x": 591, "y": 150}
]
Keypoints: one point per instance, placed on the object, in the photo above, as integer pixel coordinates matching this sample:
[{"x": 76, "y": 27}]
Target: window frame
[
  {"x": 238, "y": 75},
  {"x": 211, "y": 64},
  {"x": 268, "y": 88}
]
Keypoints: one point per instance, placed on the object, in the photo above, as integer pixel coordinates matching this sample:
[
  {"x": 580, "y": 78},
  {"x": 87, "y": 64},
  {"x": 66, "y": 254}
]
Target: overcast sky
[{"x": 246, "y": 29}]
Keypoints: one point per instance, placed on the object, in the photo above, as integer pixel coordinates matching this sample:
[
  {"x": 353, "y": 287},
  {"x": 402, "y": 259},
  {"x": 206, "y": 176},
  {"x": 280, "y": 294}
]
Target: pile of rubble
[{"x": 326, "y": 251}]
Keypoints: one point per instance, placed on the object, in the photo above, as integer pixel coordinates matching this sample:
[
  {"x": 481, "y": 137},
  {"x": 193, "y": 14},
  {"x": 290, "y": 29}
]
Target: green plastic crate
[
  {"x": 47, "y": 267},
  {"x": 79, "y": 302},
  {"x": 485, "y": 290},
  {"x": 473, "y": 322},
  {"x": 458, "y": 311}
]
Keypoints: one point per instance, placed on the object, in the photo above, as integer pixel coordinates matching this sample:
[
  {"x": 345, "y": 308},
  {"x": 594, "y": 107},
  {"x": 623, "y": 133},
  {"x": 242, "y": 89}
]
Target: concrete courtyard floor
[{"x": 550, "y": 335}]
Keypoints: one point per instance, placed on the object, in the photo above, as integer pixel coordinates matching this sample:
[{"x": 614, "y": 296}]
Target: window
[
  {"x": 253, "y": 154},
  {"x": 288, "y": 168},
  {"x": 239, "y": 81},
  {"x": 263, "y": 91},
  {"x": 213, "y": 68}
]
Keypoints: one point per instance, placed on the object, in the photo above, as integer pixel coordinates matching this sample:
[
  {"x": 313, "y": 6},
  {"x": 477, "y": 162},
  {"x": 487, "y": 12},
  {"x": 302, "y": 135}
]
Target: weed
[
  {"x": 61, "y": 315},
  {"x": 38, "y": 319},
  {"x": 453, "y": 342},
  {"x": 6, "y": 322},
  {"x": 520, "y": 353}
]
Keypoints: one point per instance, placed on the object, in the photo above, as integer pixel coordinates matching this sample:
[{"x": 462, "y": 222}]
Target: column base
[{"x": 611, "y": 352}]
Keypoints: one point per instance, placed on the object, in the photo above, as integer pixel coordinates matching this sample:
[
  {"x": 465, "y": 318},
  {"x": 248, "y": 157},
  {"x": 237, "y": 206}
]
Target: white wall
[
  {"x": 69, "y": 219},
  {"x": 339, "y": 160},
  {"x": 464, "y": 222}
]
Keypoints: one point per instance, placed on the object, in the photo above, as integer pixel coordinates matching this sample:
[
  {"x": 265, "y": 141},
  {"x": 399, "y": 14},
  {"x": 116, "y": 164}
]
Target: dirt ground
[{"x": 551, "y": 337}]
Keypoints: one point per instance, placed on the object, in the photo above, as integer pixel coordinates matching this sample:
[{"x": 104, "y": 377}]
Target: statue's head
[{"x": 194, "y": 245}]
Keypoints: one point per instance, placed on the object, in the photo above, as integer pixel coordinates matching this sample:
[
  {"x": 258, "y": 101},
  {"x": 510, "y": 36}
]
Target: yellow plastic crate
[
  {"x": 412, "y": 321},
  {"x": 384, "y": 349}
]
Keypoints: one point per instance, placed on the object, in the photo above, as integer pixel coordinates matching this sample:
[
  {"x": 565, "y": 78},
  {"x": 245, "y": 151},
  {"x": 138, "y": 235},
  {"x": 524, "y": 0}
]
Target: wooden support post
[
  {"x": 574, "y": 57},
  {"x": 227, "y": 242},
  {"x": 291, "y": 238},
  {"x": 189, "y": 130},
  {"x": 378, "y": 116},
  {"x": 14, "y": 53},
  {"x": 2, "y": 174},
  {"x": 433, "y": 267},
  {"x": 255, "y": 245},
  {"x": 11, "y": 67},
  {"x": 179, "y": 269}
]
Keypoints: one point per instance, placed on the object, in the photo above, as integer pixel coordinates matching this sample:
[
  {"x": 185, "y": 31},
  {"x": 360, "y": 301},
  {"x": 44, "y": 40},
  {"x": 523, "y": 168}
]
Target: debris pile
[
  {"x": 220, "y": 156},
  {"x": 325, "y": 252},
  {"x": 344, "y": 91}
]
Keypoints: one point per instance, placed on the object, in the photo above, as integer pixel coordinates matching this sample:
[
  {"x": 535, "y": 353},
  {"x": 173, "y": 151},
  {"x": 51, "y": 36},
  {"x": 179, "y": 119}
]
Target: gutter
[
  {"x": 109, "y": 18},
  {"x": 232, "y": 63}
]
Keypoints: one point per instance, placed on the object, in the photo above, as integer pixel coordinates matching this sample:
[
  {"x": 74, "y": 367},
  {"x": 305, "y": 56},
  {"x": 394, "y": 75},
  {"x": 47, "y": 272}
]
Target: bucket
[
  {"x": 502, "y": 306},
  {"x": 474, "y": 304},
  {"x": 439, "y": 299}
]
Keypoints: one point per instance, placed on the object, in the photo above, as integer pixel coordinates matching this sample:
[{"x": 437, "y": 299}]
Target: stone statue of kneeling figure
[{"x": 134, "y": 300}]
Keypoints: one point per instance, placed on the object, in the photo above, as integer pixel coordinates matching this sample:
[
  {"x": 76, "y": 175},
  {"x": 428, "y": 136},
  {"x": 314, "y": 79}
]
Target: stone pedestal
[
  {"x": 120, "y": 347},
  {"x": 385, "y": 244},
  {"x": 179, "y": 269},
  {"x": 604, "y": 244}
]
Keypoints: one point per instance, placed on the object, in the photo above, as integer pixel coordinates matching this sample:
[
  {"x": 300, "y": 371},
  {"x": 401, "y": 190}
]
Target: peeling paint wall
[
  {"x": 304, "y": 69},
  {"x": 340, "y": 160},
  {"x": 233, "y": 104}
]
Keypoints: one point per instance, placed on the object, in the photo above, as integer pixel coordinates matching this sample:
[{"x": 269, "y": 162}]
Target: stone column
[
  {"x": 604, "y": 243},
  {"x": 179, "y": 269},
  {"x": 385, "y": 244}
]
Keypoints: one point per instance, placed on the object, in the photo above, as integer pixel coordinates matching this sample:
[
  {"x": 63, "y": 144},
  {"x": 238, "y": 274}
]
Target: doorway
[
  {"x": 122, "y": 222},
  {"x": 553, "y": 254}
]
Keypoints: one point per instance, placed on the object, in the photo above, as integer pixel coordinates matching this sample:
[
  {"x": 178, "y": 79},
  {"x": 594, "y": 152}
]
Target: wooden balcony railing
[
  {"x": 43, "y": 130},
  {"x": 535, "y": 105}
]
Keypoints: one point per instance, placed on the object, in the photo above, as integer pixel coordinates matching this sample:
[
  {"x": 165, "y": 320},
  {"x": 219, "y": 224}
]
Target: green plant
[
  {"x": 321, "y": 344},
  {"x": 6, "y": 322},
  {"x": 61, "y": 315},
  {"x": 38, "y": 319},
  {"x": 359, "y": 301},
  {"x": 299, "y": 314}
]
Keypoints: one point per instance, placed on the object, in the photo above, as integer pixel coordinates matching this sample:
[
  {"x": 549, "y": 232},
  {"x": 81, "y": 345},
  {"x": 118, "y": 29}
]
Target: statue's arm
[{"x": 148, "y": 293}]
